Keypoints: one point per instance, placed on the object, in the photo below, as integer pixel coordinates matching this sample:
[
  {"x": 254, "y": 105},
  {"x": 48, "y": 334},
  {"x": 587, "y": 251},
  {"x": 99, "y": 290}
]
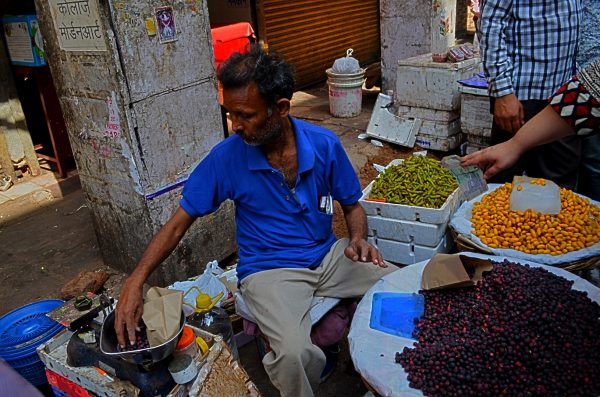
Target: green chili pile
[{"x": 418, "y": 181}]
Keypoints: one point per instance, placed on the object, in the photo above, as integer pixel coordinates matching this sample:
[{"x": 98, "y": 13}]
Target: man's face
[{"x": 250, "y": 116}]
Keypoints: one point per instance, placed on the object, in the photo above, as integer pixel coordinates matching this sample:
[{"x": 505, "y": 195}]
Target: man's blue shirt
[{"x": 277, "y": 227}]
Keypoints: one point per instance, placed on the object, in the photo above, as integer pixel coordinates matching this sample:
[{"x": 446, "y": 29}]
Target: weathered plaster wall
[
  {"x": 411, "y": 28},
  {"x": 164, "y": 99}
]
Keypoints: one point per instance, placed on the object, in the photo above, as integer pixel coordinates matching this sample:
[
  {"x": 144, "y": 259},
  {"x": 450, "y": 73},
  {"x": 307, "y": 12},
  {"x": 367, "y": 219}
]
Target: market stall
[{"x": 374, "y": 352}]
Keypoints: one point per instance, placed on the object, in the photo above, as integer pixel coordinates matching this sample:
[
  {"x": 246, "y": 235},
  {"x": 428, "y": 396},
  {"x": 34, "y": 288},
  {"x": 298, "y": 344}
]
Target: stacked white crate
[
  {"x": 407, "y": 234},
  {"x": 428, "y": 91},
  {"x": 475, "y": 117}
]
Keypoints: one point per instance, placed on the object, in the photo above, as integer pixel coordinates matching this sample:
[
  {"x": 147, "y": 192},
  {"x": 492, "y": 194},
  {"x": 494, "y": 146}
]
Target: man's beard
[{"x": 271, "y": 131}]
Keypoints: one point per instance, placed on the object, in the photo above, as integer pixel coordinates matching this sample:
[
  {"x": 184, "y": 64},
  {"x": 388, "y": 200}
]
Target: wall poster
[{"x": 165, "y": 21}]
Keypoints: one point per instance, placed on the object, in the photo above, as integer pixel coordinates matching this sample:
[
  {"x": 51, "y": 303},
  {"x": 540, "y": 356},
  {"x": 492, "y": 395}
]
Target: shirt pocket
[{"x": 320, "y": 226}]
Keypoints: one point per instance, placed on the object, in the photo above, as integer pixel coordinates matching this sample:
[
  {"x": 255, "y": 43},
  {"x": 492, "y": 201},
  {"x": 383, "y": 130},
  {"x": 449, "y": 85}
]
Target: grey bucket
[{"x": 345, "y": 93}]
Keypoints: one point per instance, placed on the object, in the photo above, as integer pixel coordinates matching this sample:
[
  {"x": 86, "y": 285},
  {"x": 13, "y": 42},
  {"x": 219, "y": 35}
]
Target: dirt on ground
[{"x": 43, "y": 246}]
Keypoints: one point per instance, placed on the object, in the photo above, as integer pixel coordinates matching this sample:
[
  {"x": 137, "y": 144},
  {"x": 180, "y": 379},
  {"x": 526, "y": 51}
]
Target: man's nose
[
  {"x": 236, "y": 126},
  {"x": 234, "y": 123}
]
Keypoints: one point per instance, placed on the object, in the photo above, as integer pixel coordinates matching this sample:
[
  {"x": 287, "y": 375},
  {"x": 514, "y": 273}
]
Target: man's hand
[
  {"x": 362, "y": 251},
  {"x": 129, "y": 311},
  {"x": 508, "y": 113},
  {"x": 495, "y": 158}
]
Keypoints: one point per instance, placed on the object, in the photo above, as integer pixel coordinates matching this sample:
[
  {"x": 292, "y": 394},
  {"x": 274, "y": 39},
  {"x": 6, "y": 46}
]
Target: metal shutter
[{"x": 312, "y": 34}]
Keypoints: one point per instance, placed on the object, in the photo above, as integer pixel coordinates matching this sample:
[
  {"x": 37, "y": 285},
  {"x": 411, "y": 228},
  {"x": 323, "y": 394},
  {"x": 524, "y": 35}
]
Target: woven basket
[{"x": 465, "y": 244}]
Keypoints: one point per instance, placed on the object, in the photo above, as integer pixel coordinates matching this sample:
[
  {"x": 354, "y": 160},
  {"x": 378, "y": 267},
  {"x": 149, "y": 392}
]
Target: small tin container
[{"x": 183, "y": 368}]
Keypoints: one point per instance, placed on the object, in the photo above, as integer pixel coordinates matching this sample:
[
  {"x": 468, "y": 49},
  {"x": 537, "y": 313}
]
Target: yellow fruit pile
[{"x": 577, "y": 226}]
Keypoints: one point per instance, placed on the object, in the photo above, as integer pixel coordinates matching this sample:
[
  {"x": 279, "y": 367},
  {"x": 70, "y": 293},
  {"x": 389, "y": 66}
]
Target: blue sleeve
[
  {"x": 206, "y": 188},
  {"x": 344, "y": 181}
]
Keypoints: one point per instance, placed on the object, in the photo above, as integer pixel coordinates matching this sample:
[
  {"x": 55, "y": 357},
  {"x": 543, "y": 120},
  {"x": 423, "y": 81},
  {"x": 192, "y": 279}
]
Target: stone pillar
[
  {"x": 141, "y": 108},
  {"x": 411, "y": 28}
]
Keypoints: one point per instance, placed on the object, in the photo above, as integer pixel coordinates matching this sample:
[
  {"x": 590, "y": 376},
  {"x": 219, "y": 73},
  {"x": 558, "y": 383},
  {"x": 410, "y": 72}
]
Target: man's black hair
[{"x": 272, "y": 75}]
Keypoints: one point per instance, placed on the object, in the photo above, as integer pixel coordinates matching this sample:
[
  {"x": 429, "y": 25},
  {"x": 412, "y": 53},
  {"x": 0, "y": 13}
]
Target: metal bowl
[{"x": 145, "y": 357}]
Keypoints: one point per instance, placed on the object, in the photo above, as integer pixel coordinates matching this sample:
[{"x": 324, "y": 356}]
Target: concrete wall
[
  {"x": 161, "y": 102},
  {"x": 411, "y": 28}
]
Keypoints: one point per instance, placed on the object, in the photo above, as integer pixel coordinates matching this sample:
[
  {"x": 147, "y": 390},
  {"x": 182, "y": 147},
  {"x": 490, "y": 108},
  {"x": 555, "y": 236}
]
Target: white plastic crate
[
  {"x": 483, "y": 141},
  {"x": 427, "y": 234},
  {"x": 410, "y": 253},
  {"x": 423, "y": 83},
  {"x": 472, "y": 148},
  {"x": 444, "y": 116},
  {"x": 475, "y": 116},
  {"x": 53, "y": 354},
  {"x": 408, "y": 212},
  {"x": 432, "y": 142},
  {"x": 439, "y": 129}
]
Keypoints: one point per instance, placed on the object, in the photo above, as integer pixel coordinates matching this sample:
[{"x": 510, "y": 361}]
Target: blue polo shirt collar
[{"x": 306, "y": 155}]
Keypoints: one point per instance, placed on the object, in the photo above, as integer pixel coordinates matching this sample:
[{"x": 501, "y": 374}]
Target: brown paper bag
[
  {"x": 162, "y": 314},
  {"x": 453, "y": 271}
]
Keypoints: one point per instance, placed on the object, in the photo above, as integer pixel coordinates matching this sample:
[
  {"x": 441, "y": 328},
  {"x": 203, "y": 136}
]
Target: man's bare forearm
[
  {"x": 161, "y": 246},
  {"x": 356, "y": 221}
]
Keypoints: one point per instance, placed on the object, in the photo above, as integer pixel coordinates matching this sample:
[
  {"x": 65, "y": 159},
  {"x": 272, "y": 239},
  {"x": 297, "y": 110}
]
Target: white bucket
[{"x": 345, "y": 93}]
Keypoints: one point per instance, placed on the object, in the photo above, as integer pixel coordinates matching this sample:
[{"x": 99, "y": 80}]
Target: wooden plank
[
  {"x": 5, "y": 161},
  {"x": 26, "y": 142}
]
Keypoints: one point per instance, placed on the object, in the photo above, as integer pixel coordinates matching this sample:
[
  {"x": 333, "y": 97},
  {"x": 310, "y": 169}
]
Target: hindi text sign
[{"x": 77, "y": 24}]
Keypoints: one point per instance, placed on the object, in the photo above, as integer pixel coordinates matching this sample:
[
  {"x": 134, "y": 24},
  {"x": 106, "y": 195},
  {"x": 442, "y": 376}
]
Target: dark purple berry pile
[
  {"x": 520, "y": 332},
  {"x": 141, "y": 340}
]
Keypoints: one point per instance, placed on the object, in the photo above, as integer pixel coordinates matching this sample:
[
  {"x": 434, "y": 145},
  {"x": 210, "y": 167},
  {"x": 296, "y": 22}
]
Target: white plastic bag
[
  {"x": 347, "y": 64},
  {"x": 208, "y": 283}
]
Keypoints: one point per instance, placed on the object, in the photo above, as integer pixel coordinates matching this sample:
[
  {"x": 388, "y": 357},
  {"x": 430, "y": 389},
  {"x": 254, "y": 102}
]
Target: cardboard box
[
  {"x": 453, "y": 271},
  {"x": 24, "y": 40}
]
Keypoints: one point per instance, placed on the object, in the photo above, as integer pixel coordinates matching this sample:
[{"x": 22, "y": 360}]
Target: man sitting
[{"x": 283, "y": 175}]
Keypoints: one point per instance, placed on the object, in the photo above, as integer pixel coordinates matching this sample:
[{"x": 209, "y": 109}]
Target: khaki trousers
[{"x": 280, "y": 300}]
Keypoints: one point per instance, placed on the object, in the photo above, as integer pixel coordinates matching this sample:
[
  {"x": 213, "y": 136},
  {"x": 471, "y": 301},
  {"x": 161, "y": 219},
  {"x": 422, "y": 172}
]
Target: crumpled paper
[{"x": 162, "y": 314}]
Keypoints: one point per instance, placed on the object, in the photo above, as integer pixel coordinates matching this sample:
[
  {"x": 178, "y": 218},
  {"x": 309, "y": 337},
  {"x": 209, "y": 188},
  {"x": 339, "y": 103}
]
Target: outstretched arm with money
[{"x": 546, "y": 126}]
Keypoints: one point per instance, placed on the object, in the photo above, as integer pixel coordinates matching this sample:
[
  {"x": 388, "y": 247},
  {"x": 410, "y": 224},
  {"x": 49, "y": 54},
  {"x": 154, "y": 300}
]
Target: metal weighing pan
[{"x": 145, "y": 357}]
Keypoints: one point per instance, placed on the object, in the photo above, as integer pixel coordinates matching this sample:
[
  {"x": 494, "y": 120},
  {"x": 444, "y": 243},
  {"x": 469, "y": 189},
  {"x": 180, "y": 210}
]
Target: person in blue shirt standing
[
  {"x": 283, "y": 175},
  {"x": 528, "y": 51}
]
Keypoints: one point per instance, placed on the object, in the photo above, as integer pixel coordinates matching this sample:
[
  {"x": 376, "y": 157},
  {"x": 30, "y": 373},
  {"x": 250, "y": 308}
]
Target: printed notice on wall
[
  {"x": 18, "y": 41},
  {"x": 77, "y": 24}
]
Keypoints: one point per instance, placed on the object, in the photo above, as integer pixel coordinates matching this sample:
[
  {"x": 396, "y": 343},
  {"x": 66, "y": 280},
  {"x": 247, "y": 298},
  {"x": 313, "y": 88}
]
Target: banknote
[{"x": 470, "y": 178}]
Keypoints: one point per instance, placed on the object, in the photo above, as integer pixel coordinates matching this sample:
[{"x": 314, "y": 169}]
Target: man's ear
[{"x": 283, "y": 107}]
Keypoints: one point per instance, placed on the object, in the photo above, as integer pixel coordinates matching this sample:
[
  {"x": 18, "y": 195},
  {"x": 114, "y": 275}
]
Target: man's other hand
[
  {"x": 362, "y": 251},
  {"x": 128, "y": 312},
  {"x": 508, "y": 113}
]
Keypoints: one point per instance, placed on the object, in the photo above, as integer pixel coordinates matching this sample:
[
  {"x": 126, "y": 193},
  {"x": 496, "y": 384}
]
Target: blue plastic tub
[
  {"x": 396, "y": 313},
  {"x": 22, "y": 331}
]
